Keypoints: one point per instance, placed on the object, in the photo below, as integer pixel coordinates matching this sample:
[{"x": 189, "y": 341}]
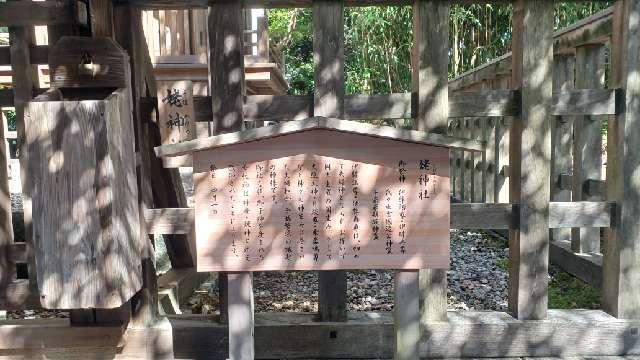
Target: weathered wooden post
[
  {"x": 529, "y": 152},
  {"x": 80, "y": 146},
  {"x": 621, "y": 263},
  {"x": 587, "y": 143}
]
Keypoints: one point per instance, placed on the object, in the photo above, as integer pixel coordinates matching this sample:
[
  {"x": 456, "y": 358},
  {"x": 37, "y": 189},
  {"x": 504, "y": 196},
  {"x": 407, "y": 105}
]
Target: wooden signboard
[
  {"x": 322, "y": 199},
  {"x": 177, "y": 117}
]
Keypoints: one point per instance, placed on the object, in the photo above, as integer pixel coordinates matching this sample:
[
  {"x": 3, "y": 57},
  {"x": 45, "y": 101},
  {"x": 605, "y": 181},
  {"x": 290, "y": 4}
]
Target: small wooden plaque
[{"x": 322, "y": 200}]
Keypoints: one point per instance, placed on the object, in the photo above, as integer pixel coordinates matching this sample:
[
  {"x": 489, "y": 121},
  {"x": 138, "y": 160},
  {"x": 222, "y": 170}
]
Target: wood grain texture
[
  {"x": 352, "y": 127},
  {"x": 7, "y": 266},
  {"x": 587, "y": 142},
  {"x": 561, "y": 140},
  {"x": 621, "y": 263},
  {"x": 406, "y": 315},
  {"x": 21, "y": 13},
  {"x": 586, "y": 267},
  {"x": 530, "y": 151},
  {"x": 241, "y": 205},
  {"x": 89, "y": 248},
  {"x": 241, "y": 323},
  {"x": 82, "y": 62},
  {"x": 472, "y": 334},
  {"x": 225, "y": 47}
]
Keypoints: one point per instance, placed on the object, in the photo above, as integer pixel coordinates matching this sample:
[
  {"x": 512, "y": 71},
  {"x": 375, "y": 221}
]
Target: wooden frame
[{"x": 527, "y": 213}]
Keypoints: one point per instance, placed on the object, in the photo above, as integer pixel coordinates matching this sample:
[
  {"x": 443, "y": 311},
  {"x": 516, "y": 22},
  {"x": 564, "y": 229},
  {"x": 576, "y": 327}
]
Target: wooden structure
[
  {"x": 94, "y": 221},
  {"x": 315, "y": 198},
  {"x": 525, "y": 110}
]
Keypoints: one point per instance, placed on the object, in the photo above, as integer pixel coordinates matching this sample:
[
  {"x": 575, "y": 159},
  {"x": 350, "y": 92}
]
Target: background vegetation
[{"x": 378, "y": 42}]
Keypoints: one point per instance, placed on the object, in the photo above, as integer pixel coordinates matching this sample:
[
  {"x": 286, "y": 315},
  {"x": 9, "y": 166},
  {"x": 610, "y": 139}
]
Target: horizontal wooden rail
[
  {"x": 463, "y": 216},
  {"x": 50, "y": 12},
  {"x": 594, "y": 29},
  {"x": 19, "y": 295},
  {"x": 484, "y": 103},
  {"x": 39, "y": 55}
]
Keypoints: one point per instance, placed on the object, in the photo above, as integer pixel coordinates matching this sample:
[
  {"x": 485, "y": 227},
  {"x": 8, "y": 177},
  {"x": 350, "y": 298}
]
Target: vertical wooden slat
[
  {"x": 7, "y": 269},
  {"x": 621, "y": 263},
  {"x": 263, "y": 38},
  {"x": 530, "y": 150},
  {"x": 328, "y": 59},
  {"x": 406, "y": 315},
  {"x": 227, "y": 88},
  {"x": 241, "y": 322},
  {"x": 489, "y": 135},
  {"x": 561, "y": 139},
  {"x": 430, "y": 82},
  {"x": 587, "y": 142},
  {"x": 24, "y": 78},
  {"x": 128, "y": 33},
  {"x": 503, "y": 125}
]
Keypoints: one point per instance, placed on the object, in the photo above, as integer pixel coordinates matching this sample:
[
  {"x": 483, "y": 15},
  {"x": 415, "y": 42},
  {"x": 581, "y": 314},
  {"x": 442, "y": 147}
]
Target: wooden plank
[
  {"x": 472, "y": 334},
  {"x": 463, "y": 216},
  {"x": 621, "y": 263},
  {"x": 584, "y": 266},
  {"x": 39, "y": 55},
  {"x": 241, "y": 322},
  {"x": 181, "y": 283},
  {"x": 298, "y": 175},
  {"x": 127, "y": 32},
  {"x": 430, "y": 83},
  {"x": 561, "y": 140},
  {"x": 530, "y": 147},
  {"x": 587, "y": 142},
  {"x": 23, "y": 81},
  {"x": 7, "y": 266},
  {"x": 104, "y": 246},
  {"x": 101, "y": 18},
  {"x": 406, "y": 315},
  {"x": 224, "y": 25},
  {"x": 385, "y": 132},
  {"x": 20, "y": 13}
]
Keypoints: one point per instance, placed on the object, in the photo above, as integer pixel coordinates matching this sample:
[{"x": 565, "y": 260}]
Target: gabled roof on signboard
[{"x": 317, "y": 123}]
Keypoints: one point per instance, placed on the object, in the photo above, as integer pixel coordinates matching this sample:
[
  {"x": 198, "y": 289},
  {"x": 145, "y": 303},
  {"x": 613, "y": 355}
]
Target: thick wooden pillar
[
  {"x": 430, "y": 81},
  {"x": 621, "y": 263},
  {"x": 128, "y": 33},
  {"x": 227, "y": 88},
  {"x": 7, "y": 268},
  {"x": 587, "y": 142},
  {"x": 24, "y": 78},
  {"x": 561, "y": 139},
  {"x": 328, "y": 59},
  {"x": 529, "y": 156}
]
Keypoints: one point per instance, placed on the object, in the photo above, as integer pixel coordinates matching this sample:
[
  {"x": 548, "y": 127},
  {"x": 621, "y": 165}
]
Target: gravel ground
[{"x": 476, "y": 281}]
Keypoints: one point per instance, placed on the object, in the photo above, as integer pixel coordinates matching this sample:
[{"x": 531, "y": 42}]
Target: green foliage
[
  {"x": 378, "y": 42},
  {"x": 568, "y": 292}
]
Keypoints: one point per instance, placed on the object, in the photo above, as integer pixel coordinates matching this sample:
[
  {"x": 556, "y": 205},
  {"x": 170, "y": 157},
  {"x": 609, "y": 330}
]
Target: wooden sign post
[
  {"x": 177, "y": 117},
  {"x": 320, "y": 194}
]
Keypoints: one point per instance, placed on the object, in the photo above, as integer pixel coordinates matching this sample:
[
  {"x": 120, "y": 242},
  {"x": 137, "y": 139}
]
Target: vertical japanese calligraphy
[
  {"x": 176, "y": 112},
  {"x": 321, "y": 211}
]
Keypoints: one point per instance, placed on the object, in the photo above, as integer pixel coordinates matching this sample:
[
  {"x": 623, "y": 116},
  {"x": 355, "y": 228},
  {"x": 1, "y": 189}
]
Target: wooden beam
[
  {"x": 471, "y": 334},
  {"x": 587, "y": 142},
  {"x": 39, "y": 55},
  {"x": 530, "y": 147},
  {"x": 226, "y": 79},
  {"x": 241, "y": 317},
  {"x": 621, "y": 263},
  {"x": 7, "y": 262},
  {"x": 50, "y": 12},
  {"x": 406, "y": 315},
  {"x": 328, "y": 101},
  {"x": 430, "y": 84},
  {"x": 584, "y": 266},
  {"x": 463, "y": 216},
  {"x": 561, "y": 140}
]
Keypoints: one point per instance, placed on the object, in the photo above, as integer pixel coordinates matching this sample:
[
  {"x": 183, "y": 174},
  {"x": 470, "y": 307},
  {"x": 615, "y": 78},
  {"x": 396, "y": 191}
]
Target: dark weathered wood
[
  {"x": 584, "y": 266},
  {"x": 128, "y": 35},
  {"x": 39, "y": 55},
  {"x": 530, "y": 147},
  {"x": 7, "y": 267},
  {"x": 621, "y": 263},
  {"x": 370, "y": 336},
  {"x": 561, "y": 140},
  {"x": 21, "y": 13},
  {"x": 25, "y": 76},
  {"x": 241, "y": 323},
  {"x": 328, "y": 101},
  {"x": 101, "y": 18}
]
